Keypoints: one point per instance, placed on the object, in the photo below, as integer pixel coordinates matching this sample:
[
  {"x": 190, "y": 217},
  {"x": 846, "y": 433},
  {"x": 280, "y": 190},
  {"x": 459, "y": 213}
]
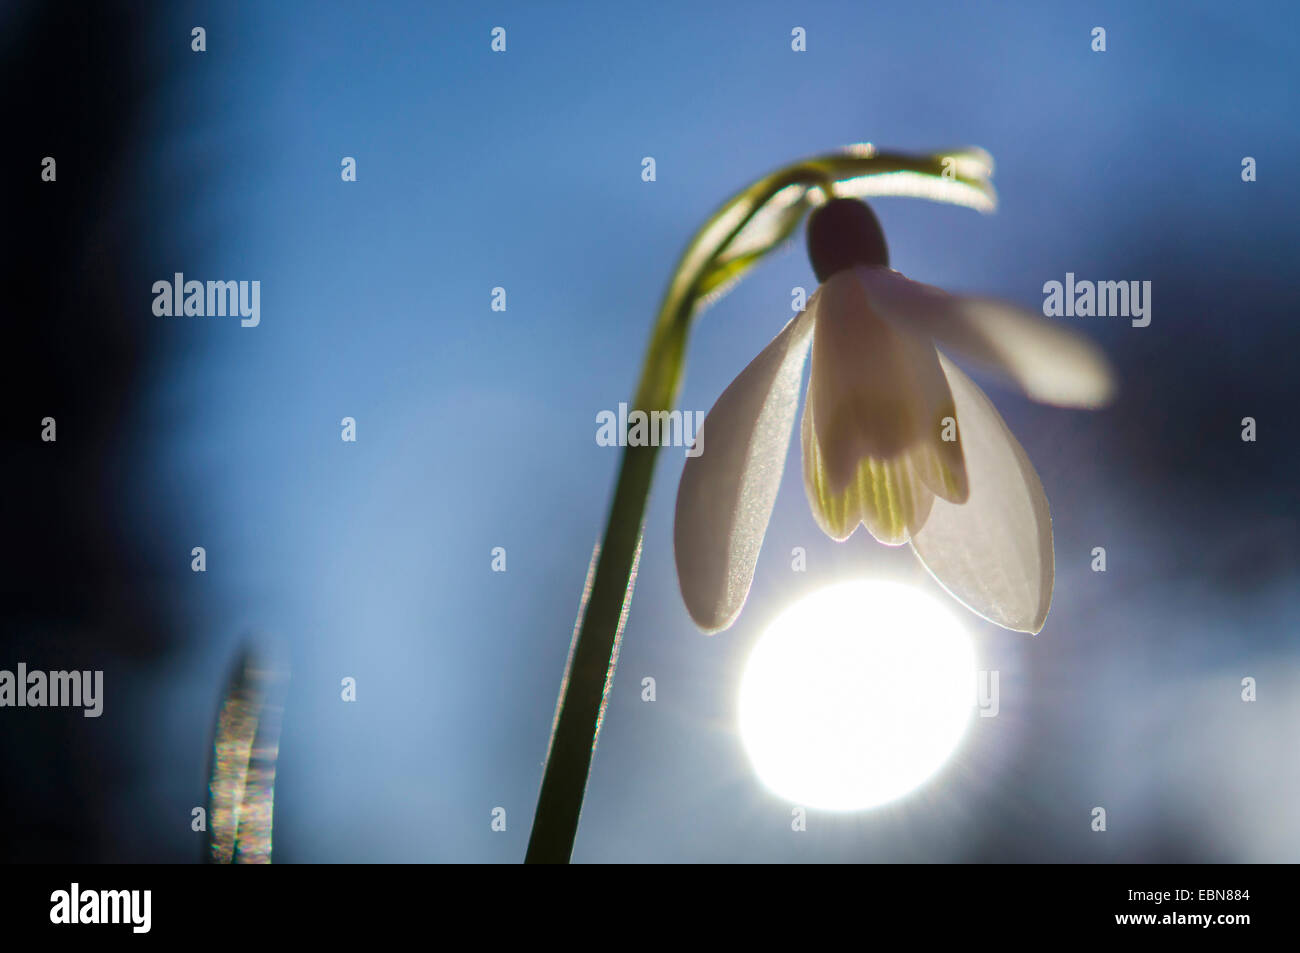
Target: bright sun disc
[{"x": 856, "y": 695}]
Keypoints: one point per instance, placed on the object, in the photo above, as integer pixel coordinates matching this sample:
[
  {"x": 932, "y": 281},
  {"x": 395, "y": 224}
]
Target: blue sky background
[{"x": 476, "y": 428}]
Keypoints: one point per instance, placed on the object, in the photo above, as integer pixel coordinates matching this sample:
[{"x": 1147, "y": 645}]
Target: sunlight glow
[{"x": 856, "y": 695}]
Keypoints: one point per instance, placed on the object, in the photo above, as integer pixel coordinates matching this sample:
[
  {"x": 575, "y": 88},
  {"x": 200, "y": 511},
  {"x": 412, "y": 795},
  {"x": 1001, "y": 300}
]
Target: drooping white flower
[{"x": 894, "y": 435}]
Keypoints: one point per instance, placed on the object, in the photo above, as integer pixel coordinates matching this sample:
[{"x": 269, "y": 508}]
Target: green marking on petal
[{"x": 887, "y": 496}]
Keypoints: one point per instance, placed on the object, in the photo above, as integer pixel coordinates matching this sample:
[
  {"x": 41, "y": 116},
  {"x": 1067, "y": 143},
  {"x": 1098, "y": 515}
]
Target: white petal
[
  {"x": 1051, "y": 363},
  {"x": 876, "y": 390},
  {"x": 993, "y": 552},
  {"x": 725, "y": 498},
  {"x": 887, "y": 496}
]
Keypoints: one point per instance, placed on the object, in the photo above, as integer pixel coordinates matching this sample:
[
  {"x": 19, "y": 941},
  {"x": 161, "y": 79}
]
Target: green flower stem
[{"x": 735, "y": 239}]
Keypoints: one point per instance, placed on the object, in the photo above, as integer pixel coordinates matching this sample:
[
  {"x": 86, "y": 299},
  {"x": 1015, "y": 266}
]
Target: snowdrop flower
[{"x": 894, "y": 435}]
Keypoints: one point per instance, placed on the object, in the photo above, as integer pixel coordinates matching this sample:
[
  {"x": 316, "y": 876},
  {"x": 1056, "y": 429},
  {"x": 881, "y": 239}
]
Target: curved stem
[{"x": 593, "y": 655}]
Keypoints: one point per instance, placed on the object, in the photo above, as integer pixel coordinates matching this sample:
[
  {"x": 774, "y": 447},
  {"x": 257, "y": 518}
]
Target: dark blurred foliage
[{"x": 77, "y": 79}]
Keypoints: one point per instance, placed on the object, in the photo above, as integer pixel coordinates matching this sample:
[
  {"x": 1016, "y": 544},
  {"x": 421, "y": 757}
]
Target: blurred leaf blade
[{"x": 245, "y": 751}]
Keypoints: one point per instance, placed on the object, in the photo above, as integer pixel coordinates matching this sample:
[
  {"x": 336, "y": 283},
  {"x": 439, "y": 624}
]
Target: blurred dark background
[
  {"x": 80, "y": 580},
  {"x": 476, "y": 428}
]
